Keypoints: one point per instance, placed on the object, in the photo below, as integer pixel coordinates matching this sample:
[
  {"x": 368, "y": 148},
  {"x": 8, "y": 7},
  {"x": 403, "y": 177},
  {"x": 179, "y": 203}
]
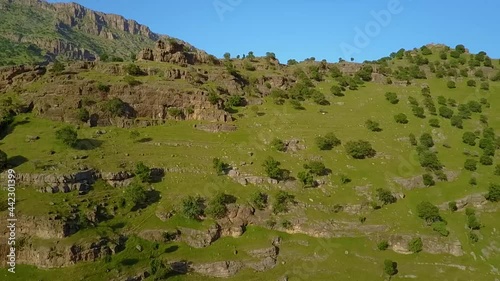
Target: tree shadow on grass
[
  {"x": 88, "y": 144},
  {"x": 144, "y": 140},
  {"x": 16, "y": 161},
  {"x": 171, "y": 249},
  {"x": 10, "y": 128},
  {"x": 129, "y": 262}
]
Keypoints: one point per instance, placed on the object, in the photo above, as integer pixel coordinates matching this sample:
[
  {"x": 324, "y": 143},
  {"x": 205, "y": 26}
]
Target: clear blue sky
[{"x": 324, "y": 29}]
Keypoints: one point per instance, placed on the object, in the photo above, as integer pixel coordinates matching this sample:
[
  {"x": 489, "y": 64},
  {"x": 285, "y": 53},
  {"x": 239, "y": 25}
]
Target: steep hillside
[
  {"x": 34, "y": 31},
  {"x": 180, "y": 166}
]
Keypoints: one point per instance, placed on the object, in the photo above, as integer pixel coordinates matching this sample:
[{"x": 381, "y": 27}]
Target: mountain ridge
[{"x": 69, "y": 30}]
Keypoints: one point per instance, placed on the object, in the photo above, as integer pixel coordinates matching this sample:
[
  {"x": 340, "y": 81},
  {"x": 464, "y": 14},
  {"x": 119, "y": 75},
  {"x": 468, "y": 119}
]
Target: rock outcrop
[
  {"x": 175, "y": 52},
  {"x": 431, "y": 244},
  {"x": 55, "y": 255},
  {"x": 200, "y": 238}
]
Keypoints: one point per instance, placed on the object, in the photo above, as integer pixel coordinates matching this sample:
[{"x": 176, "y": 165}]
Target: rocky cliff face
[
  {"x": 73, "y": 31},
  {"x": 175, "y": 52}
]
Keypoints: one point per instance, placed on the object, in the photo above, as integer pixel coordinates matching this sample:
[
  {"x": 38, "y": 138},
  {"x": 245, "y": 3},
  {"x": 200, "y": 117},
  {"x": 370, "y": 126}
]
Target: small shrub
[
  {"x": 451, "y": 85},
  {"x": 383, "y": 245},
  {"x": 469, "y": 138},
  {"x": 306, "y": 179},
  {"x": 471, "y": 83},
  {"x": 473, "y": 237},
  {"x": 103, "y": 88},
  {"x": 259, "y": 200},
  {"x": 470, "y": 165},
  {"x": 67, "y": 135},
  {"x": 445, "y": 112},
  {"x": 452, "y": 205},
  {"x": 192, "y": 207},
  {"x": 493, "y": 192},
  {"x": 415, "y": 245},
  {"x": 373, "y": 126},
  {"x": 390, "y": 267},
  {"x": 327, "y": 142},
  {"x": 278, "y": 145},
  {"x": 220, "y": 167},
  {"x": 142, "y": 172},
  {"x": 457, "y": 121},
  {"x": 131, "y": 81},
  {"x": 413, "y": 140},
  {"x": 428, "y": 180},
  {"x": 401, "y": 118},
  {"x": 486, "y": 160},
  {"x": 360, "y": 149},
  {"x": 83, "y": 114},
  {"x": 392, "y": 97},
  {"x": 133, "y": 69},
  {"x": 485, "y": 86},
  {"x": 434, "y": 123},
  {"x": 440, "y": 227},
  {"x": 426, "y": 140}
]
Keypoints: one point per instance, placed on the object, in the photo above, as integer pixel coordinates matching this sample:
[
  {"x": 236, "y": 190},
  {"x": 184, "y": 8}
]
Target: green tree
[
  {"x": 426, "y": 140},
  {"x": 143, "y": 172},
  {"x": 471, "y": 83},
  {"x": 451, "y": 85},
  {"x": 415, "y": 245},
  {"x": 217, "y": 206},
  {"x": 306, "y": 179},
  {"x": 192, "y": 207},
  {"x": 469, "y": 138},
  {"x": 57, "y": 67},
  {"x": 278, "y": 145},
  {"x": 401, "y": 118},
  {"x": 220, "y": 167},
  {"x": 282, "y": 199},
  {"x": 427, "y": 211},
  {"x": 115, "y": 107},
  {"x": 486, "y": 160},
  {"x": 273, "y": 170},
  {"x": 135, "y": 195},
  {"x": 470, "y": 165},
  {"x": 134, "y": 135},
  {"x": 234, "y": 101},
  {"x": 360, "y": 149},
  {"x": 385, "y": 196},
  {"x": 418, "y": 111},
  {"x": 259, "y": 200},
  {"x": 497, "y": 170},
  {"x": 83, "y": 114},
  {"x": 493, "y": 192},
  {"x": 440, "y": 227},
  {"x": 392, "y": 97},
  {"x": 327, "y": 142},
  {"x": 457, "y": 121},
  {"x": 133, "y": 69},
  {"x": 413, "y": 140},
  {"x": 373, "y": 126},
  {"x": 434, "y": 123},
  {"x": 428, "y": 180},
  {"x": 452, "y": 205},
  {"x": 383, "y": 245},
  {"x": 227, "y": 56},
  {"x": 445, "y": 112},
  {"x": 67, "y": 135},
  {"x": 316, "y": 167},
  {"x": 390, "y": 268}
]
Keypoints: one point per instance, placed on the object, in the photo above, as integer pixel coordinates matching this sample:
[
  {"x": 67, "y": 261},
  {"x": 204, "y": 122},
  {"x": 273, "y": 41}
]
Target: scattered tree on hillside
[
  {"x": 67, "y": 135},
  {"x": 192, "y": 207},
  {"x": 360, "y": 149}
]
